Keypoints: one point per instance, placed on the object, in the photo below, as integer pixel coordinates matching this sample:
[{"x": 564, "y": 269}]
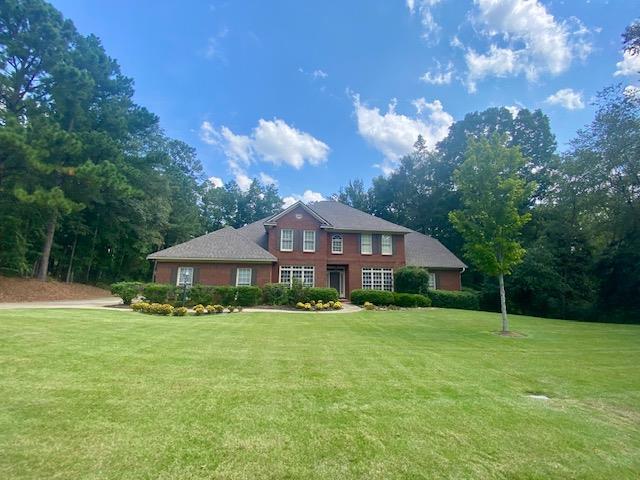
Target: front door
[{"x": 336, "y": 280}]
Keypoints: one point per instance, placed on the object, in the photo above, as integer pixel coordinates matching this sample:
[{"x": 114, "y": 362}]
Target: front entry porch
[{"x": 336, "y": 278}]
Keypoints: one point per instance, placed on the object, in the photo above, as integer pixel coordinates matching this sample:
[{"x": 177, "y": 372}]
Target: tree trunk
[
  {"x": 46, "y": 249},
  {"x": 503, "y": 305},
  {"x": 73, "y": 252}
]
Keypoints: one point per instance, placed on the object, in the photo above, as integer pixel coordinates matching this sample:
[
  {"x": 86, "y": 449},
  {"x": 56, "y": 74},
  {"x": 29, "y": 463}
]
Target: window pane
[
  {"x": 365, "y": 244},
  {"x": 377, "y": 279},
  {"x": 336, "y": 244},
  {"x": 185, "y": 276},
  {"x": 309, "y": 241},
  {"x": 386, "y": 245},
  {"x": 243, "y": 276},
  {"x": 286, "y": 239}
]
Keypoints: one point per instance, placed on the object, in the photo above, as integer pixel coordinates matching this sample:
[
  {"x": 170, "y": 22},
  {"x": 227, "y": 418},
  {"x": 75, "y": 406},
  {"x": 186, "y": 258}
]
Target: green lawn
[{"x": 411, "y": 394}]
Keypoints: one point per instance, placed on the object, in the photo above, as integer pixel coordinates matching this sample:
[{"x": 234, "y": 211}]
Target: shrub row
[
  {"x": 283, "y": 294},
  {"x": 451, "y": 299},
  {"x": 383, "y": 298},
  {"x": 319, "y": 306}
]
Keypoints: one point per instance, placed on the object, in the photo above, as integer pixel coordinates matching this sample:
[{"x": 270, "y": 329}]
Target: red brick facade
[{"x": 299, "y": 220}]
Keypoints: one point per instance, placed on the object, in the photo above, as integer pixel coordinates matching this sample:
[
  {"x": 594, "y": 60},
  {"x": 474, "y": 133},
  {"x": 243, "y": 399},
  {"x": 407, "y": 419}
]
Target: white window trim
[
  {"x": 337, "y": 252},
  {"x": 304, "y": 241},
  {"x": 302, "y": 268},
  {"x": 282, "y": 249},
  {"x": 382, "y": 271},
  {"x": 362, "y": 236},
  {"x": 390, "y": 251},
  {"x": 178, "y": 276},
  {"x": 433, "y": 279},
  {"x": 238, "y": 284}
]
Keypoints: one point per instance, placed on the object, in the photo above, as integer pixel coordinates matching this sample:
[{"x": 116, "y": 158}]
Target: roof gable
[
  {"x": 226, "y": 244},
  {"x": 272, "y": 220},
  {"x": 344, "y": 217}
]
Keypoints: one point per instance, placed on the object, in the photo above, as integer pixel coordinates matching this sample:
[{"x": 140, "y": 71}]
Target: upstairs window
[
  {"x": 366, "y": 244},
  {"x": 185, "y": 276},
  {"x": 386, "y": 245},
  {"x": 336, "y": 244},
  {"x": 243, "y": 277},
  {"x": 286, "y": 240},
  {"x": 309, "y": 244}
]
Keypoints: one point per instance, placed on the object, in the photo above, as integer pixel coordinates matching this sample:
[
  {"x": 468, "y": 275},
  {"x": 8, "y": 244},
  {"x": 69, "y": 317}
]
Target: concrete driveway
[{"x": 92, "y": 303}]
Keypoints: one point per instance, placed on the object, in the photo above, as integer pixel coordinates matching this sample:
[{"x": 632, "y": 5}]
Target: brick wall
[
  {"x": 212, "y": 273},
  {"x": 447, "y": 279}
]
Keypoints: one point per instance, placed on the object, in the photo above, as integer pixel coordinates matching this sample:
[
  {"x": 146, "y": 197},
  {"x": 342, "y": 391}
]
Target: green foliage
[
  {"x": 225, "y": 295},
  {"x": 324, "y": 295},
  {"x": 180, "y": 311},
  {"x": 296, "y": 292},
  {"x": 377, "y": 297},
  {"x": 411, "y": 280},
  {"x": 248, "y": 296},
  {"x": 201, "y": 294},
  {"x": 127, "y": 291},
  {"x": 451, "y": 299},
  {"x": 158, "y": 292},
  {"x": 493, "y": 193},
  {"x": 275, "y": 294},
  {"x": 410, "y": 300}
]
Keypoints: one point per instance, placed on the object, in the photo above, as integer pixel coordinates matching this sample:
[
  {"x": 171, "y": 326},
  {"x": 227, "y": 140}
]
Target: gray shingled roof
[
  {"x": 224, "y": 244},
  {"x": 425, "y": 251},
  {"x": 344, "y": 217},
  {"x": 256, "y": 232}
]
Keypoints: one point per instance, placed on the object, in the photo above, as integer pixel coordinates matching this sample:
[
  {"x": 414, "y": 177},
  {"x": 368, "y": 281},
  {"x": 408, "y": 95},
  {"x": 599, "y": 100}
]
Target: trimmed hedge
[
  {"x": 248, "y": 296},
  {"x": 324, "y": 295},
  {"x": 275, "y": 294},
  {"x": 411, "y": 280},
  {"x": 455, "y": 299},
  {"x": 127, "y": 291},
  {"x": 377, "y": 297},
  {"x": 224, "y": 295},
  {"x": 410, "y": 300},
  {"x": 200, "y": 295},
  {"x": 158, "y": 293}
]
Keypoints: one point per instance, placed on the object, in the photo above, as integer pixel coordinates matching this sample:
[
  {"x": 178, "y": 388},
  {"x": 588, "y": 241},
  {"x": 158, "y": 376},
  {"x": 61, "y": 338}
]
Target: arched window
[{"x": 336, "y": 244}]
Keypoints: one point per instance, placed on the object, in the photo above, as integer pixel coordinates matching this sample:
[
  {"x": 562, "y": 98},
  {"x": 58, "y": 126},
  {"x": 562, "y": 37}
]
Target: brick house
[{"x": 322, "y": 244}]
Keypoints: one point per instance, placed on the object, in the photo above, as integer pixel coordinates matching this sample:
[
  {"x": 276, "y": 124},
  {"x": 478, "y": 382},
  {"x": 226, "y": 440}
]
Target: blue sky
[{"x": 310, "y": 94}]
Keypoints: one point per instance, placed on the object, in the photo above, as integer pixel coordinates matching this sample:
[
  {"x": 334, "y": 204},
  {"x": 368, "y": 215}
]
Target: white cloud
[
  {"x": 216, "y": 182},
  {"x": 439, "y": 76},
  {"x": 513, "y": 110},
  {"x": 567, "y": 98},
  {"x": 632, "y": 92},
  {"x": 319, "y": 74},
  {"x": 394, "y": 134},
  {"x": 307, "y": 197},
  {"x": 629, "y": 65},
  {"x": 214, "y": 49},
  {"x": 272, "y": 141},
  {"x": 424, "y": 9},
  {"x": 267, "y": 179},
  {"x": 534, "y": 42}
]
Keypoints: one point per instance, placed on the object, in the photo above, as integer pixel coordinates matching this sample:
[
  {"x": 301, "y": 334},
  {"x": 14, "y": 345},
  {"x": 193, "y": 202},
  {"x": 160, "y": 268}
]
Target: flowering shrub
[
  {"x": 199, "y": 310},
  {"x": 140, "y": 307},
  {"x": 180, "y": 311},
  {"x": 319, "y": 306}
]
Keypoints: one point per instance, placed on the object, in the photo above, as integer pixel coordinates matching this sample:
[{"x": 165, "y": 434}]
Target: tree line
[
  {"x": 89, "y": 183},
  {"x": 574, "y": 251}
]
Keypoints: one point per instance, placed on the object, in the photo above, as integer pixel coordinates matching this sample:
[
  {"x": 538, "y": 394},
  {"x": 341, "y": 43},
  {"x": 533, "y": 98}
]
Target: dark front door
[{"x": 336, "y": 280}]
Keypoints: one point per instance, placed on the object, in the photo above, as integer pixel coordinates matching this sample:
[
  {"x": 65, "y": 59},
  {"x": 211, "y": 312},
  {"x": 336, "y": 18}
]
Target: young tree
[{"x": 493, "y": 193}]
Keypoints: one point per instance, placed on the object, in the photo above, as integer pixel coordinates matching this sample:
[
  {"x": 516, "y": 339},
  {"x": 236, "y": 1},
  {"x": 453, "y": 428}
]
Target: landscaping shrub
[
  {"x": 180, "y": 311},
  {"x": 160, "y": 309},
  {"x": 377, "y": 297},
  {"x": 321, "y": 294},
  {"x": 411, "y": 280},
  {"x": 140, "y": 307},
  {"x": 127, "y": 291},
  {"x": 454, "y": 299},
  {"x": 275, "y": 294},
  {"x": 231, "y": 308},
  {"x": 199, "y": 310},
  {"x": 158, "y": 292},
  {"x": 369, "y": 306},
  {"x": 296, "y": 292},
  {"x": 410, "y": 300},
  {"x": 201, "y": 294},
  {"x": 248, "y": 296},
  {"x": 225, "y": 295}
]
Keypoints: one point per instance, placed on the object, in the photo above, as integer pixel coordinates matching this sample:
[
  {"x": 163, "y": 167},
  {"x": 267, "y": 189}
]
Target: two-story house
[{"x": 321, "y": 244}]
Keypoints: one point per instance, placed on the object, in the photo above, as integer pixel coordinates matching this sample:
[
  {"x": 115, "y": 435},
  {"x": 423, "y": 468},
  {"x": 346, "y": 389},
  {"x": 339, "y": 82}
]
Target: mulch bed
[{"x": 32, "y": 290}]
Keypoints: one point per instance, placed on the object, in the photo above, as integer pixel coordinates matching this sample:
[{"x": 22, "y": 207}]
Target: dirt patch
[{"x": 31, "y": 290}]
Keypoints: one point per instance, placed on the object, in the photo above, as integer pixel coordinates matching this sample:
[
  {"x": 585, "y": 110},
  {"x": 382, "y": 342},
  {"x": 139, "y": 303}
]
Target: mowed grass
[{"x": 407, "y": 394}]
